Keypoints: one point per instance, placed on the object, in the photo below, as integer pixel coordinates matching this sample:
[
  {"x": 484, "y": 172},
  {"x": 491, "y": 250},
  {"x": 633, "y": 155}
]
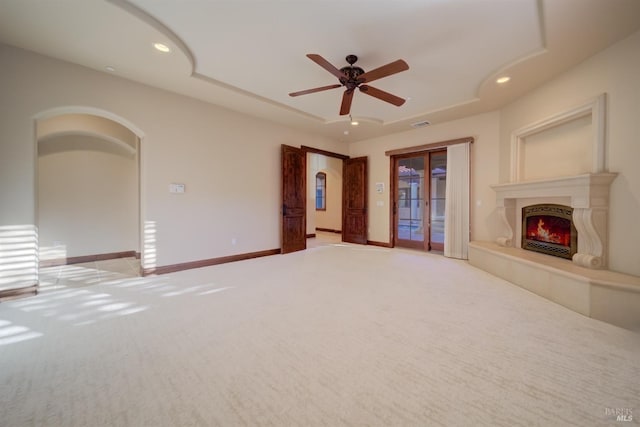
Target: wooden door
[
  {"x": 294, "y": 199},
  {"x": 354, "y": 199}
]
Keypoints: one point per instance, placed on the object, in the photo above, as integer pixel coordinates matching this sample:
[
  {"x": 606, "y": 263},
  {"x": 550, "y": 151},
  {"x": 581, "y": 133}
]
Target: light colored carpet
[{"x": 336, "y": 335}]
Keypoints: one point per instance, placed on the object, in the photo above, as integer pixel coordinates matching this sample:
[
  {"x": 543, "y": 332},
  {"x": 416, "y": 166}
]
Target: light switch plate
[{"x": 176, "y": 188}]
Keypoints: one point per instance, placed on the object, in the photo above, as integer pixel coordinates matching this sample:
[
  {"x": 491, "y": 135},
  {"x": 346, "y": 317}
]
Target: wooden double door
[
  {"x": 418, "y": 197},
  {"x": 294, "y": 200}
]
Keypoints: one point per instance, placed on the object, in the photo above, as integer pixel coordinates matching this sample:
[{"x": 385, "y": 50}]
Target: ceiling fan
[{"x": 353, "y": 77}]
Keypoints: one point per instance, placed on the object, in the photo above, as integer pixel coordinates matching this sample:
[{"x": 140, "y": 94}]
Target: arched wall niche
[{"x": 88, "y": 185}]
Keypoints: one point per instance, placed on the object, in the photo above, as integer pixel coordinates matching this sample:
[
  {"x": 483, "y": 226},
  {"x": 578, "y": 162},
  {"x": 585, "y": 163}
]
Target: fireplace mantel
[{"x": 588, "y": 195}]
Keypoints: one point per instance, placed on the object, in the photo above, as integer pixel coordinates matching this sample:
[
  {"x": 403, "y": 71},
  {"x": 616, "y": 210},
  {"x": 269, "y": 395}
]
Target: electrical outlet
[{"x": 234, "y": 241}]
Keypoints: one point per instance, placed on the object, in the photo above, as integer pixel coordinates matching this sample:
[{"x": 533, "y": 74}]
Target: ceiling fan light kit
[{"x": 353, "y": 77}]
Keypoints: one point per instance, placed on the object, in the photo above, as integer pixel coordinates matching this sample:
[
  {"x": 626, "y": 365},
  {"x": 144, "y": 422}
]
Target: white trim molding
[{"x": 596, "y": 108}]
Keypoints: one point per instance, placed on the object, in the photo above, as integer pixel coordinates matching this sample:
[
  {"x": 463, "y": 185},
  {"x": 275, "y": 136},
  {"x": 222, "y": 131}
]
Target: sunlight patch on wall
[
  {"x": 149, "y": 254},
  {"x": 18, "y": 256}
]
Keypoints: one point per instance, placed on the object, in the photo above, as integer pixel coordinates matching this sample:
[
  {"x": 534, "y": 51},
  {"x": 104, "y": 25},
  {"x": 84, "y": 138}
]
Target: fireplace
[
  {"x": 580, "y": 195},
  {"x": 548, "y": 228}
]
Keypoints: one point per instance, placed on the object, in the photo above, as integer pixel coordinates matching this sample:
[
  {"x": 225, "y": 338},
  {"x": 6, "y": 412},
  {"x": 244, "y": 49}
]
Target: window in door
[{"x": 321, "y": 191}]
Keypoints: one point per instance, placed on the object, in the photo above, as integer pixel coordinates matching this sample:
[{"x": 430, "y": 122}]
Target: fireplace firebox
[{"x": 549, "y": 229}]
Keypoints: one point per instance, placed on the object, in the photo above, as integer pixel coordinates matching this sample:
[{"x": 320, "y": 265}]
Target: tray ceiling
[{"x": 247, "y": 55}]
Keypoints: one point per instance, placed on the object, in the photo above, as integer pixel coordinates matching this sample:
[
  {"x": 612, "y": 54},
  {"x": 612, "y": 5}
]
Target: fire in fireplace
[{"x": 548, "y": 228}]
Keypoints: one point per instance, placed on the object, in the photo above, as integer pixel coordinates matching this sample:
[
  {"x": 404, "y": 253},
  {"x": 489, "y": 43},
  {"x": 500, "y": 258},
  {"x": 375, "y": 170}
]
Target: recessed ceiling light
[
  {"x": 346, "y": 132},
  {"x": 110, "y": 69},
  {"x": 354, "y": 123},
  {"x": 503, "y": 79},
  {"x": 162, "y": 47}
]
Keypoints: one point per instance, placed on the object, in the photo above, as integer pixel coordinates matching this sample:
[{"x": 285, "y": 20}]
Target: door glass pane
[
  {"x": 410, "y": 201},
  {"x": 438, "y": 168}
]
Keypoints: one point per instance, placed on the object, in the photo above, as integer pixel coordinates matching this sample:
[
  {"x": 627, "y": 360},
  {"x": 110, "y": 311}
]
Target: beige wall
[
  {"x": 615, "y": 72},
  {"x": 87, "y": 197},
  {"x": 331, "y": 218},
  {"x": 484, "y": 163},
  {"x": 207, "y": 147},
  {"x": 229, "y": 162}
]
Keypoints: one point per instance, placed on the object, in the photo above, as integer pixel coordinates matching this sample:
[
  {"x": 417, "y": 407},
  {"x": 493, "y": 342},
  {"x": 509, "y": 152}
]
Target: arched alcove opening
[{"x": 88, "y": 188}]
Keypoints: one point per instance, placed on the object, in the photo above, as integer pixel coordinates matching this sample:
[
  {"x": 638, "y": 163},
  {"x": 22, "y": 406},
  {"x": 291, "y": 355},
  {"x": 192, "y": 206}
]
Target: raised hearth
[{"x": 601, "y": 294}]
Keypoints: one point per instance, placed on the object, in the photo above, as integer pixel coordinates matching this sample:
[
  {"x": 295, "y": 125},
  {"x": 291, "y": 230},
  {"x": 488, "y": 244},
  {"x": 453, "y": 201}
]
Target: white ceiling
[{"x": 248, "y": 55}]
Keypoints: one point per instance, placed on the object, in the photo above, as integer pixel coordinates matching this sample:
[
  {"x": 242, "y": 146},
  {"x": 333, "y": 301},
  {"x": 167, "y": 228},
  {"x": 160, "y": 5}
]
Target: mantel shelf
[{"x": 578, "y": 187}]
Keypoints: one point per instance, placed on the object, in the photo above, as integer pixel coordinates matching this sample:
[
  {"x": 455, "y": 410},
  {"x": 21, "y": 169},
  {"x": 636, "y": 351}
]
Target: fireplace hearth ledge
[
  {"x": 589, "y": 198},
  {"x": 605, "y": 295}
]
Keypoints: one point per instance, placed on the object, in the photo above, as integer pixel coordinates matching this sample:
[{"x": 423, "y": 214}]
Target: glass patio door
[{"x": 418, "y": 205}]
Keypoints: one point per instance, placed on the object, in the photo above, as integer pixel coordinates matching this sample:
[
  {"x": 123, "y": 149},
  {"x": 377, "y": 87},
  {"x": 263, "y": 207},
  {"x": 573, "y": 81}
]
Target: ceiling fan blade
[
  {"x": 326, "y": 65},
  {"x": 380, "y": 94},
  {"x": 317, "y": 89},
  {"x": 345, "y": 108},
  {"x": 384, "y": 71}
]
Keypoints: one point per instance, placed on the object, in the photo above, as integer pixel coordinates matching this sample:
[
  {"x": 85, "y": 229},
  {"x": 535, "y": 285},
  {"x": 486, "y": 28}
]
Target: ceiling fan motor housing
[
  {"x": 351, "y": 76},
  {"x": 351, "y": 73}
]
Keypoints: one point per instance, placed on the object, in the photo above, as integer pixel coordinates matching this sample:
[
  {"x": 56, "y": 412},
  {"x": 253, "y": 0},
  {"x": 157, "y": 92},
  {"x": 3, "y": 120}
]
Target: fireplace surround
[{"x": 588, "y": 197}]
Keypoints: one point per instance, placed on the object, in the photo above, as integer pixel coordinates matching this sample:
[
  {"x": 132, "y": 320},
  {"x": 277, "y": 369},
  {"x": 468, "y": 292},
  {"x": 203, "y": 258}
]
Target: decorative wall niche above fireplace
[
  {"x": 586, "y": 154},
  {"x": 548, "y": 228}
]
